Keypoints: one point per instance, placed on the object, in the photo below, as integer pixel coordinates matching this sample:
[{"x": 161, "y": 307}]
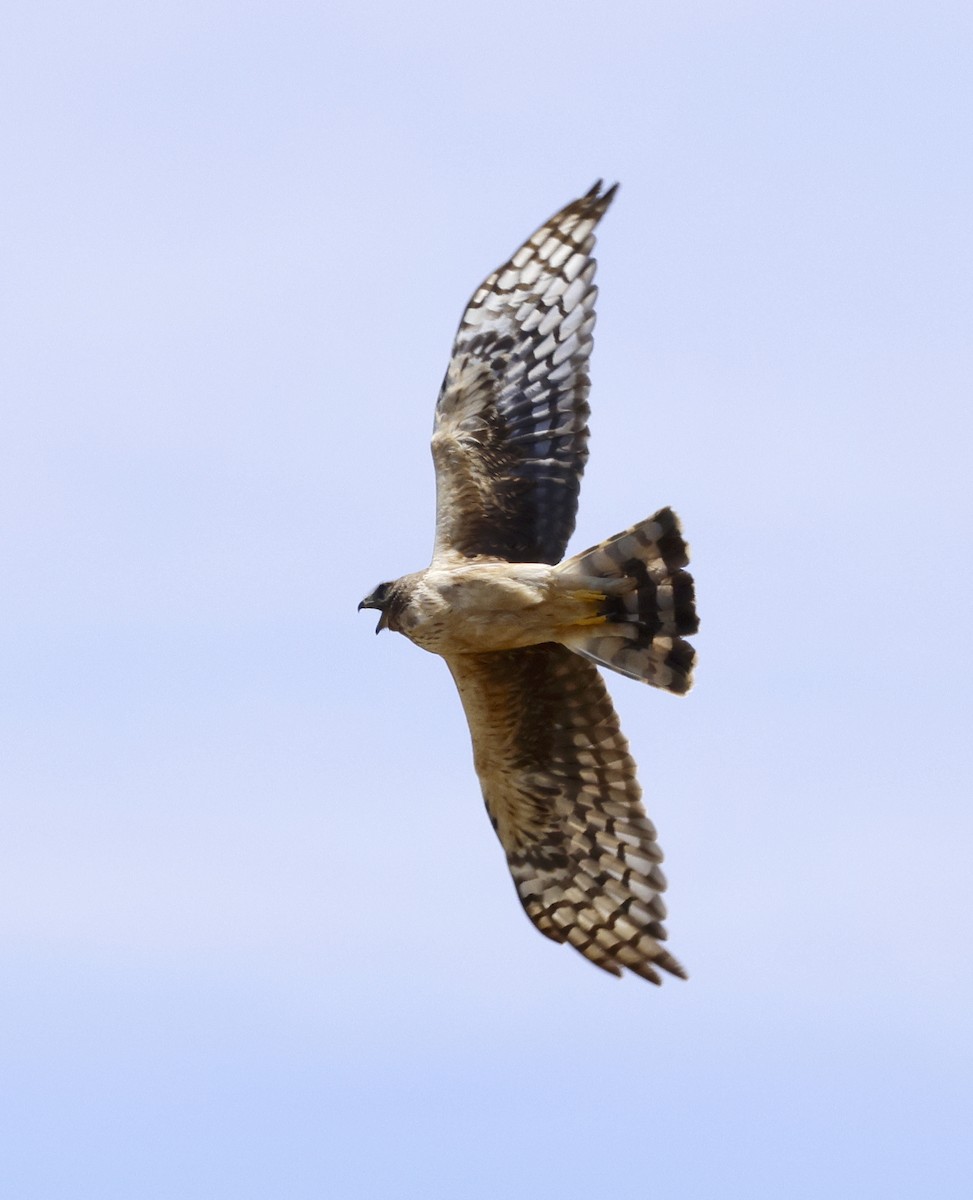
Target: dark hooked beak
[{"x": 383, "y": 620}]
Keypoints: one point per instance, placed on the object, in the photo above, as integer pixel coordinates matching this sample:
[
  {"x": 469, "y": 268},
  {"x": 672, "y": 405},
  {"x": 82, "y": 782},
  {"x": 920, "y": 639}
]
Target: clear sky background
[{"x": 257, "y": 940}]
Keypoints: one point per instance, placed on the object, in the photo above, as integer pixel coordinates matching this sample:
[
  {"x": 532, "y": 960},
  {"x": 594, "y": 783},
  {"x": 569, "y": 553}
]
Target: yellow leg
[
  {"x": 595, "y": 619},
  {"x": 585, "y": 598}
]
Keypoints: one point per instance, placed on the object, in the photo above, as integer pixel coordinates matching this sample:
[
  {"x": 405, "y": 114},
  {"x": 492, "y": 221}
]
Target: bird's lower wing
[{"x": 560, "y": 787}]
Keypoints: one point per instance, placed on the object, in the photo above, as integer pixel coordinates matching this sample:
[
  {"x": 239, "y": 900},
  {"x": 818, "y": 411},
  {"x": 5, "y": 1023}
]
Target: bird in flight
[{"x": 521, "y": 630}]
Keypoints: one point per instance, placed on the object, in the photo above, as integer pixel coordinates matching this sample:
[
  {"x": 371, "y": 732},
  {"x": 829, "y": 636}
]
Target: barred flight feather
[
  {"x": 645, "y": 617},
  {"x": 559, "y": 785},
  {"x": 510, "y": 440}
]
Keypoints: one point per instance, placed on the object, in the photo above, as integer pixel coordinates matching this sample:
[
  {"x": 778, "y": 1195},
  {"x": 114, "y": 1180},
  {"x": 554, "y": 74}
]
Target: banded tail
[{"x": 646, "y": 603}]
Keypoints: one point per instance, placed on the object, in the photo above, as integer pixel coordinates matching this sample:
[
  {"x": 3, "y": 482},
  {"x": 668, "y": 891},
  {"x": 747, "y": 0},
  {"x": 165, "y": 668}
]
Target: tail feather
[{"x": 649, "y": 603}]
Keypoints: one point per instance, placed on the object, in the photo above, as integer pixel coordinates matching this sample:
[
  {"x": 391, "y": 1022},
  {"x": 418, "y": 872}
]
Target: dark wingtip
[{"x": 595, "y": 193}]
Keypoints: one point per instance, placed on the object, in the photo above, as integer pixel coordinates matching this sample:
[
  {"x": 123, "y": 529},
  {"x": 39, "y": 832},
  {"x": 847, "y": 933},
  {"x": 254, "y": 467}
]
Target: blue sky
[{"x": 256, "y": 937}]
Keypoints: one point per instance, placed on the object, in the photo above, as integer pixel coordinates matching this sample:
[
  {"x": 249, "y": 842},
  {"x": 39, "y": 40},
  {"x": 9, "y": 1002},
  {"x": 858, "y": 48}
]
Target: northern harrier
[{"x": 521, "y": 631}]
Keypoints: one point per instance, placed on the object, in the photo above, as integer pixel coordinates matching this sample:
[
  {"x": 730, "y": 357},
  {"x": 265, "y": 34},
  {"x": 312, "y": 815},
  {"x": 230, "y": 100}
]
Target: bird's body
[
  {"x": 487, "y": 604},
  {"x": 471, "y": 606},
  {"x": 520, "y": 630}
]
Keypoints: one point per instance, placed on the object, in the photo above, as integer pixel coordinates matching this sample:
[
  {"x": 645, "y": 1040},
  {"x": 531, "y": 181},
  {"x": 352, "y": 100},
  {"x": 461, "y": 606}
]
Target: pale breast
[{"x": 479, "y": 606}]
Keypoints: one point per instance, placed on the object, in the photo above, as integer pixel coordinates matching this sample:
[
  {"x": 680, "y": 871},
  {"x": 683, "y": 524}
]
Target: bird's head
[{"x": 380, "y": 598}]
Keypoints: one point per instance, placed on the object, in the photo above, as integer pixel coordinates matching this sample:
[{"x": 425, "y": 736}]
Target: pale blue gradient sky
[{"x": 256, "y": 937}]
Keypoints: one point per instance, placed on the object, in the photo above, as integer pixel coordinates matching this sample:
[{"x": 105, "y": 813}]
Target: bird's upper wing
[
  {"x": 560, "y": 787},
  {"x": 510, "y": 435}
]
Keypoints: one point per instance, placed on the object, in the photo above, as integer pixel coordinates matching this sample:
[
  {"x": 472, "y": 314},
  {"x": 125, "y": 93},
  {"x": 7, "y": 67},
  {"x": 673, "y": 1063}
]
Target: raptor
[{"x": 524, "y": 632}]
